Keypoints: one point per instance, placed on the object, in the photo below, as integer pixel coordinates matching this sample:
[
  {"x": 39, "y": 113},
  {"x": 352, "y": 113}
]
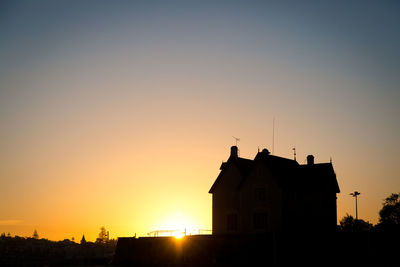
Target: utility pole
[{"x": 355, "y": 194}]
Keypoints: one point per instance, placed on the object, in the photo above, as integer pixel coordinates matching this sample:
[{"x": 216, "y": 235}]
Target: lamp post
[{"x": 355, "y": 194}]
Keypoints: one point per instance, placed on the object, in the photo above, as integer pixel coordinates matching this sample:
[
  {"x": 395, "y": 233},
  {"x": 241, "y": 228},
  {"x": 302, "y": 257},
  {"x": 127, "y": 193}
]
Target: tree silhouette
[
  {"x": 389, "y": 215},
  {"x": 35, "y": 234},
  {"x": 103, "y": 236},
  {"x": 349, "y": 224}
]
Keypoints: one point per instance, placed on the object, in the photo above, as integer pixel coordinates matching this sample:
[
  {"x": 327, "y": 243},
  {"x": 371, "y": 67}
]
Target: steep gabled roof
[
  {"x": 243, "y": 165},
  {"x": 282, "y": 169},
  {"x": 287, "y": 173},
  {"x": 318, "y": 176}
]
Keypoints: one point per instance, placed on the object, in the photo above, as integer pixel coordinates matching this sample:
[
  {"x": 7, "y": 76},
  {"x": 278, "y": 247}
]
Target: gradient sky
[{"x": 119, "y": 113}]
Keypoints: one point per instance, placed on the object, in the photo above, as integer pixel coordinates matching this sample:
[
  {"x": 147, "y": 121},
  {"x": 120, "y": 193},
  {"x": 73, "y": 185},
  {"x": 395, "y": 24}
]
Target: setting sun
[
  {"x": 179, "y": 234},
  {"x": 176, "y": 224}
]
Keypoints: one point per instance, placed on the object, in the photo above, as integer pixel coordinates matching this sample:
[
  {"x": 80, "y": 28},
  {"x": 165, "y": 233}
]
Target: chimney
[
  {"x": 310, "y": 160},
  {"x": 234, "y": 151}
]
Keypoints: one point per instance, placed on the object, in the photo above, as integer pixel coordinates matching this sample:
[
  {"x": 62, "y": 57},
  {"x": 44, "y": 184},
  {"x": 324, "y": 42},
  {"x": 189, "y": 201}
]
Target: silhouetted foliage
[
  {"x": 20, "y": 251},
  {"x": 389, "y": 215},
  {"x": 103, "y": 236},
  {"x": 349, "y": 224}
]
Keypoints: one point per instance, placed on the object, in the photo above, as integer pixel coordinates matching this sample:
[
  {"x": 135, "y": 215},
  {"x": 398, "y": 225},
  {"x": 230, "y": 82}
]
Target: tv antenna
[
  {"x": 273, "y": 134},
  {"x": 236, "y": 140}
]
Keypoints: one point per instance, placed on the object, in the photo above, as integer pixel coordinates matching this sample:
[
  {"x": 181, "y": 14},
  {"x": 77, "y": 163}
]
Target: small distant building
[
  {"x": 83, "y": 240},
  {"x": 271, "y": 193}
]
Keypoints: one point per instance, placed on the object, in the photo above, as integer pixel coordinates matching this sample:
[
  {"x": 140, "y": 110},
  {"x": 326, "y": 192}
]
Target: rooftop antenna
[
  {"x": 294, "y": 152},
  {"x": 273, "y": 134},
  {"x": 236, "y": 140}
]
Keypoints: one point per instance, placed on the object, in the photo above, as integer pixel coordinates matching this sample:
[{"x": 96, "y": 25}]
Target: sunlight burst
[
  {"x": 174, "y": 224},
  {"x": 178, "y": 234}
]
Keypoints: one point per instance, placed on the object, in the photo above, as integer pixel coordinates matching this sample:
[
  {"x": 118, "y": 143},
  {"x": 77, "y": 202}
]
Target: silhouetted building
[
  {"x": 272, "y": 193},
  {"x": 83, "y": 240}
]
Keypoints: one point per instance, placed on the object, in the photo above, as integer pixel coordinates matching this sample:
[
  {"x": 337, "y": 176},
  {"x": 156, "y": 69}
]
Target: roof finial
[{"x": 294, "y": 151}]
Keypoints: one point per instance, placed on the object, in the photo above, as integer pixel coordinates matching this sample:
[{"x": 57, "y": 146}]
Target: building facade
[{"x": 271, "y": 193}]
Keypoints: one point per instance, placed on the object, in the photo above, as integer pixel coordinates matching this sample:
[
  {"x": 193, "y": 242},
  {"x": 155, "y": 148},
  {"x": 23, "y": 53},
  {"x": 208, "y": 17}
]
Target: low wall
[{"x": 274, "y": 249}]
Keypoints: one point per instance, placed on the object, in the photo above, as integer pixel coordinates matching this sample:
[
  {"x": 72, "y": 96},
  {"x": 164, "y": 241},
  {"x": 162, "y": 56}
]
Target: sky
[{"x": 119, "y": 113}]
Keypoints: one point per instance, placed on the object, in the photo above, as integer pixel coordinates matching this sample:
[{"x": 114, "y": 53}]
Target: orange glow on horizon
[{"x": 179, "y": 235}]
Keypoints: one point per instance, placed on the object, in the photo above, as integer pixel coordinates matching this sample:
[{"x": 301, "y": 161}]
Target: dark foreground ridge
[{"x": 272, "y": 249}]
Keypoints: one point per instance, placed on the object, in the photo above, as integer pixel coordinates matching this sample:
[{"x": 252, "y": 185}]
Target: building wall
[
  {"x": 260, "y": 205},
  {"x": 261, "y": 208},
  {"x": 226, "y": 201},
  {"x": 309, "y": 210}
]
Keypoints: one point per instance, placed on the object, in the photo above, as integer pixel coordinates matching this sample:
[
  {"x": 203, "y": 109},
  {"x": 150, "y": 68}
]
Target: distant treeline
[{"x": 20, "y": 251}]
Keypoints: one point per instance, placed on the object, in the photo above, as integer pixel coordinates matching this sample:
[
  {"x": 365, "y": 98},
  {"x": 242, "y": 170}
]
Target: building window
[
  {"x": 232, "y": 223},
  {"x": 260, "y": 220},
  {"x": 260, "y": 195}
]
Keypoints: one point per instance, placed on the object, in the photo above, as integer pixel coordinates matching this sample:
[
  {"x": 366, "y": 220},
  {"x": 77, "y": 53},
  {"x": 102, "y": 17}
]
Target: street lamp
[{"x": 355, "y": 194}]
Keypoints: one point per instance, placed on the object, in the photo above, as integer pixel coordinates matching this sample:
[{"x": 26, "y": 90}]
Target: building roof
[
  {"x": 287, "y": 173},
  {"x": 243, "y": 165},
  {"x": 318, "y": 176}
]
